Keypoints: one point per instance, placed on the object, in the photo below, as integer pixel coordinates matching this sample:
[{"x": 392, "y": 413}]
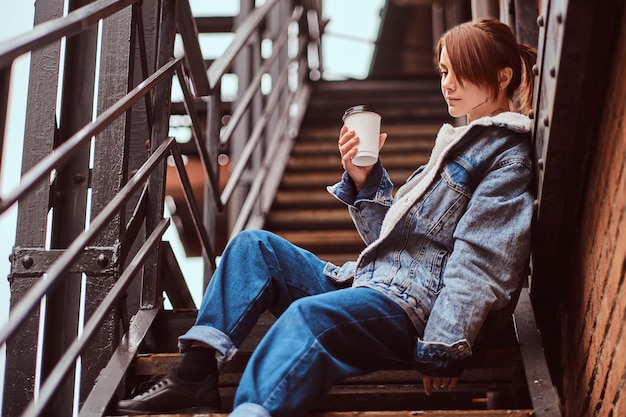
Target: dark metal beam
[
  {"x": 5, "y": 81},
  {"x": 69, "y": 206},
  {"x": 39, "y": 134},
  {"x": 221, "y": 24},
  {"x": 193, "y": 55},
  {"x": 150, "y": 292},
  {"x": 111, "y": 376},
  {"x": 109, "y": 174},
  {"x": 175, "y": 285},
  {"x": 542, "y": 392},
  {"x": 576, "y": 43}
]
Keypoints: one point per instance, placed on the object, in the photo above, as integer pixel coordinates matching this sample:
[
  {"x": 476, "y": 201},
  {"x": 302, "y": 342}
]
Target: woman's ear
[{"x": 504, "y": 77}]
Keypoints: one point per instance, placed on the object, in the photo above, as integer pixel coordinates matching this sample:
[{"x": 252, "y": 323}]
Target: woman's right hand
[{"x": 348, "y": 147}]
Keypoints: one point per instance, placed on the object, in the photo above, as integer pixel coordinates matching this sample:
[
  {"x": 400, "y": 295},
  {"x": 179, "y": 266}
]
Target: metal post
[
  {"x": 156, "y": 188},
  {"x": 145, "y": 38},
  {"x": 109, "y": 174},
  {"x": 39, "y": 133},
  {"x": 243, "y": 69},
  {"x": 5, "y": 80},
  {"x": 211, "y": 212},
  {"x": 70, "y": 206}
]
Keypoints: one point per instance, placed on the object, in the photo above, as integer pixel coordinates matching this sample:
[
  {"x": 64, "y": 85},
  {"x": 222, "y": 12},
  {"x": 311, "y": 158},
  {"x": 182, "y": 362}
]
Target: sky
[{"x": 350, "y": 28}]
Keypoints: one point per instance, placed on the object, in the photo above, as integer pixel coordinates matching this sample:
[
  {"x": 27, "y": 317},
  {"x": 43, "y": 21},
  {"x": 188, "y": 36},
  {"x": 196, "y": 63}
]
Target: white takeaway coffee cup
[{"x": 365, "y": 121}]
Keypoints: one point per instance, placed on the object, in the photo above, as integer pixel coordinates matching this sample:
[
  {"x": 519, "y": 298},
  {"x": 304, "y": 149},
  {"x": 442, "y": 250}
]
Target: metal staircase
[
  {"x": 279, "y": 164},
  {"x": 496, "y": 382}
]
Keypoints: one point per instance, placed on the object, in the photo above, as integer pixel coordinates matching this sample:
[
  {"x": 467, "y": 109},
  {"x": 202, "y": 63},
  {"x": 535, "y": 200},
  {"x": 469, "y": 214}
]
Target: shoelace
[{"x": 150, "y": 385}]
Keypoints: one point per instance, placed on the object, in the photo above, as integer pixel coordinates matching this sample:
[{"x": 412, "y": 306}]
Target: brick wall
[{"x": 594, "y": 325}]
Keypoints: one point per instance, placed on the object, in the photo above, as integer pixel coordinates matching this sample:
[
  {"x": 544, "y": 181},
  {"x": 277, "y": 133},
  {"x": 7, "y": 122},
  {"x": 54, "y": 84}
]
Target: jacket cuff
[
  {"x": 372, "y": 183},
  {"x": 345, "y": 190},
  {"x": 441, "y": 359}
]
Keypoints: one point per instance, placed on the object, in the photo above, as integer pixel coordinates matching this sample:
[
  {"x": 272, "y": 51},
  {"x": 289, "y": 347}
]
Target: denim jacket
[{"x": 453, "y": 244}]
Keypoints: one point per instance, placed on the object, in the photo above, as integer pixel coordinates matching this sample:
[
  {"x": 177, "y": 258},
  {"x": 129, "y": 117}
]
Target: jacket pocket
[{"x": 438, "y": 263}]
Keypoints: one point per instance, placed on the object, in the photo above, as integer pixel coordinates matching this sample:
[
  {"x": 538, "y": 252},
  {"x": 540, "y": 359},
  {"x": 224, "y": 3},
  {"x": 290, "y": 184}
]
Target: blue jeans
[{"x": 322, "y": 335}]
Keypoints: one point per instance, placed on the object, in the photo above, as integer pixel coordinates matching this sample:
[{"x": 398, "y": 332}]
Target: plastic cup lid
[{"x": 358, "y": 109}]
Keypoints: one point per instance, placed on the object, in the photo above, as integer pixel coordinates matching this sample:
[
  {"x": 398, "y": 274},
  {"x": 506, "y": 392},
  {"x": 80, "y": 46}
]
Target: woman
[{"x": 449, "y": 248}]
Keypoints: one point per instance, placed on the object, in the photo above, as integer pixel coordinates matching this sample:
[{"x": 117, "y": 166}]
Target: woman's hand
[
  {"x": 438, "y": 383},
  {"x": 348, "y": 144}
]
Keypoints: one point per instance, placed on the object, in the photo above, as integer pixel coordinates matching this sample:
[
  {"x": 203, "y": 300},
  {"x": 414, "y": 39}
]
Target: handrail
[
  {"x": 67, "y": 149},
  {"x": 247, "y": 28},
  {"x": 20, "y": 312},
  {"x": 255, "y": 136},
  {"x": 44, "y": 34},
  {"x": 196, "y": 81},
  {"x": 53, "y": 30},
  {"x": 208, "y": 253},
  {"x": 198, "y": 138},
  {"x": 247, "y": 95},
  {"x": 255, "y": 189}
]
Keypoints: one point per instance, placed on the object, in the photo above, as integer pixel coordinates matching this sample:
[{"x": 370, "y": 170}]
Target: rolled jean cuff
[
  {"x": 249, "y": 410},
  {"x": 224, "y": 347}
]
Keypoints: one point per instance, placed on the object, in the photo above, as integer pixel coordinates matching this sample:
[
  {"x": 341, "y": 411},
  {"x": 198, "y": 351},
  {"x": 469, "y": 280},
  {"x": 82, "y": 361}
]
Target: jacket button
[{"x": 461, "y": 348}]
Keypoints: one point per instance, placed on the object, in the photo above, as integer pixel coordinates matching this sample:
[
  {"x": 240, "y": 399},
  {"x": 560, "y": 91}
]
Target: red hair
[{"x": 479, "y": 49}]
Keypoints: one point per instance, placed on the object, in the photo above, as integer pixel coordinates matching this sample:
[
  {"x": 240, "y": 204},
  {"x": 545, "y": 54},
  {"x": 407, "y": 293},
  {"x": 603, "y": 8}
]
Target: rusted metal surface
[
  {"x": 109, "y": 173},
  {"x": 68, "y": 216},
  {"x": 156, "y": 187}
]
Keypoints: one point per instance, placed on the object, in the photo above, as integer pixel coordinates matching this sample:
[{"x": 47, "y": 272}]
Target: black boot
[{"x": 173, "y": 395}]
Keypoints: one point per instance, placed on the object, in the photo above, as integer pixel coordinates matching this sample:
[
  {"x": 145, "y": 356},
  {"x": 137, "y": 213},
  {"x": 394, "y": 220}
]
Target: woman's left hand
[{"x": 438, "y": 383}]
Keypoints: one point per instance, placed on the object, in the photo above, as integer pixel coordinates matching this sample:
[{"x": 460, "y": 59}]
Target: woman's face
[{"x": 467, "y": 100}]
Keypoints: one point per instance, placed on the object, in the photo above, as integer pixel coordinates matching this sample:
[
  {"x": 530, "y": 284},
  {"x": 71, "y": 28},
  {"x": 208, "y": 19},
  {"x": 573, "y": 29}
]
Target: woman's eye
[{"x": 443, "y": 73}]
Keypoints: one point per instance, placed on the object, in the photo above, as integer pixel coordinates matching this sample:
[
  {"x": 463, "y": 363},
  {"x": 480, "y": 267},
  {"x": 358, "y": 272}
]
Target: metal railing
[{"x": 111, "y": 167}]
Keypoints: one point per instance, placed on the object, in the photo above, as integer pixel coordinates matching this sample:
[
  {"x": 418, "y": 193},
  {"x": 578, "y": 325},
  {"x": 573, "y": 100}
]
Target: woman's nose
[{"x": 448, "y": 83}]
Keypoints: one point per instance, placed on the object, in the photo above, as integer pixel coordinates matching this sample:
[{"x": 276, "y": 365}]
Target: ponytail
[{"x": 525, "y": 91}]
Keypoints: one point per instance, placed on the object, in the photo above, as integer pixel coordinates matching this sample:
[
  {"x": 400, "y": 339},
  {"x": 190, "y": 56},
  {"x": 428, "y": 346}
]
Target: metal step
[
  {"x": 507, "y": 378},
  {"x": 303, "y": 211},
  {"x": 493, "y": 374}
]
